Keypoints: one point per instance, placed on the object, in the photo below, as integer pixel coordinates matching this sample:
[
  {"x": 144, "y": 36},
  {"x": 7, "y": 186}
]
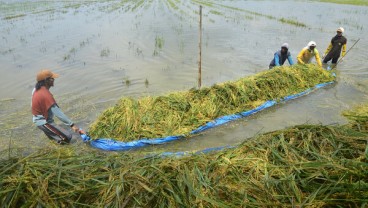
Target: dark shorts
[
  {"x": 334, "y": 58},
  {"x": 56, "y": 133}
]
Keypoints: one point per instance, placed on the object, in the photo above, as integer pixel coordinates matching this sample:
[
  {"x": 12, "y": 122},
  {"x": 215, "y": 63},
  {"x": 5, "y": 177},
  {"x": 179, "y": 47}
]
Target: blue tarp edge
[{"x": 113, "y": 145}]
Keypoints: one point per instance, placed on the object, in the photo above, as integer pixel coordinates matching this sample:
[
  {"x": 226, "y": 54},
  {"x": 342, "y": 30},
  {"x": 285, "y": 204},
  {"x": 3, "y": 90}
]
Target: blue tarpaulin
[{"x": 113, "y": 145}]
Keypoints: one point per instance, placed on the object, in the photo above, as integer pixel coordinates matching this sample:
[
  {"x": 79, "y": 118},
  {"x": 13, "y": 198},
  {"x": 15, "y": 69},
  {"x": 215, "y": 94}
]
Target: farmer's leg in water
[{"x": 56, "y": 133}]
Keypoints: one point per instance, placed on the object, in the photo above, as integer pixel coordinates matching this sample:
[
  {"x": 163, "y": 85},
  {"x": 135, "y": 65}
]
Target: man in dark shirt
[{"x": 336, "y": 47}]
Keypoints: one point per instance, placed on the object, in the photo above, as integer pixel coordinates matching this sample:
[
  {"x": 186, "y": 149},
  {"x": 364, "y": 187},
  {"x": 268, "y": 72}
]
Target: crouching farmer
[
  {"x": 44, "y": 108},
  {"x": 281, "y": 56}
]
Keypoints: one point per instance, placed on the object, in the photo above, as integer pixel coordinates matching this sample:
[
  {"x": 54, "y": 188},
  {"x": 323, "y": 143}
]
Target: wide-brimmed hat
[{"x": 44, "y": 74}]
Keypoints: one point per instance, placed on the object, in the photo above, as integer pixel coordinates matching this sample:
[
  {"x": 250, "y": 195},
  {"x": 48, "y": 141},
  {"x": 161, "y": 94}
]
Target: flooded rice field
[{"x": 105, "y": 50}]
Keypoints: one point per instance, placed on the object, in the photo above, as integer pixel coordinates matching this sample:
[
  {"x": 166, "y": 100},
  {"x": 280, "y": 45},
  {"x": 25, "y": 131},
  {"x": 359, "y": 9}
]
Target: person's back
[
  {"x": 42, "y": 100},
  {"x": 44, "y": 108}
]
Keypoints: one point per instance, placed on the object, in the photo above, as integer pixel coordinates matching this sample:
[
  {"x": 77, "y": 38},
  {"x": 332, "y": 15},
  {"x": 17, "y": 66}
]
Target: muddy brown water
[{"x": 107, "y": 50}]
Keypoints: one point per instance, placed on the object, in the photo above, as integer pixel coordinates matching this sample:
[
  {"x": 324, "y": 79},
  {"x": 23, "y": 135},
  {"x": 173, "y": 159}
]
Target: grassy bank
[
  {"x": 181, "y": 112},
  {"x": 352, "y": 2},
  {"x": 303, "y": 166}
]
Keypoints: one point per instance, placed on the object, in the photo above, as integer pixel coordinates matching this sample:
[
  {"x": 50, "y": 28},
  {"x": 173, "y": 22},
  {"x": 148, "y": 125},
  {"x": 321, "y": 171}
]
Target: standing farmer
[
  {"x": 307, "y": 53},
  {"x": 281, "y": 56},
  {"x": 44, "y": 108},
  {"x": 333, "y": 50}
]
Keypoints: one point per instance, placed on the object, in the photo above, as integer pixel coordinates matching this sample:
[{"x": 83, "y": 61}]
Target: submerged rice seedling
[
  {"x": 292, "y": 22},
  {"x": 282, "y": 20},
  {"x": 303, "y": 166},
  {"x": 181, "y": 112},
  {"x": 13, "y": 17},
  {"x": 159, "y": 44},
  {"x": 126, "y": 81},
  {"x": 105, "y": 52},
  {"x": 146, "y": 83}
]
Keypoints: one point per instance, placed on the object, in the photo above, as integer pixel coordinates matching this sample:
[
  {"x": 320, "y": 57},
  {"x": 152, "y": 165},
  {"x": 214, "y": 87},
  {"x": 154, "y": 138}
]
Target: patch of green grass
[
  {"x": 14, "y": 16},
  {"x": 352, "y": 2},
  {"x": 292, "y": 22}
]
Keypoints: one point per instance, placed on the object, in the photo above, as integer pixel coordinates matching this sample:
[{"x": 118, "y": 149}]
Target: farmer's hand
[
  {"x": 75, "y": 128},
  {"x": 80, "y": 131}
]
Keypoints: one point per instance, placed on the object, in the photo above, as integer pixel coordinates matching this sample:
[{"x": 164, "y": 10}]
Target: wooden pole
[{"x": 200, "y": 49}]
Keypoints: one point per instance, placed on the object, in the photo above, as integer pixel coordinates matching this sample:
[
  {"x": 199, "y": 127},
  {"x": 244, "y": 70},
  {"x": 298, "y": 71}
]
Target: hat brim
[{"x": 55, "y": 75}]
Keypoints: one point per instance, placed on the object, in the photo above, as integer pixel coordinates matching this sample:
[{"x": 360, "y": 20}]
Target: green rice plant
[
  {"x": 216, "y": 12},
  {"x": 14, "y": 16},
  {"x": 146, "y": 83},
  {"x": 126, "y": 81},
  {"x": 302, "y": 166},
  {"x": 172, "y": 4},
  {"x": 66, "y": 57},
  {"x": 137, "y": 4},
  {"x": 179, "y": 113},
  {"x": 159, "y": 44},
  {"x": 73, "y": 51},
  {"x": 105, "y": 52},
  {"x": 292, "y": 22},
  {"x": 155, "y": 52}
]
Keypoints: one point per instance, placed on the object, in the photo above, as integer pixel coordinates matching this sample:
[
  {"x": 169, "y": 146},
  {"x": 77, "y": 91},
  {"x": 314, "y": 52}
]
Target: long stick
[
  {"x": 200, "y": 49},
  {"x": 348, "y": 51}
]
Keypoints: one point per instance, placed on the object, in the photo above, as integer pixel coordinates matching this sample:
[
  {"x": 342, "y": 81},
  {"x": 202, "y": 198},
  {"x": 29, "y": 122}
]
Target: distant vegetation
[{"x": 352, "y": 2}]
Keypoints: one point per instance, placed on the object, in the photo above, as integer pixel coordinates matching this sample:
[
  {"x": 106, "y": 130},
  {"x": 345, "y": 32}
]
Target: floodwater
[{"x": 104, "y": 50}]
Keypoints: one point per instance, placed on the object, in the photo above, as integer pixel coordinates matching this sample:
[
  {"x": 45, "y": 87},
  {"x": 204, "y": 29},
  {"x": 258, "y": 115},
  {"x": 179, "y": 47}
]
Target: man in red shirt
[{"x": 44, "y": 108}]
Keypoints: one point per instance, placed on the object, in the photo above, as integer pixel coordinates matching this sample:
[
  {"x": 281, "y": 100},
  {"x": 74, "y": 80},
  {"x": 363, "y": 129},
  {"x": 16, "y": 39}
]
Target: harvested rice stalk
[
  {"x": 181, "y": 112},
  {"x": 358, "y": 117},
  {"x": 303, "y": 166}
]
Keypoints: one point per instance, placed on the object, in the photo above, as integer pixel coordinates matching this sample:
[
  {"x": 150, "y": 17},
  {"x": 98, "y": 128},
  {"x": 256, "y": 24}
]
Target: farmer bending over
[
  {"x": 333, "y": 50},
  {"x": 306, "y": 54},
  {"x": 281, "y": 56},
  {"x": 44, "y": 108}
]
